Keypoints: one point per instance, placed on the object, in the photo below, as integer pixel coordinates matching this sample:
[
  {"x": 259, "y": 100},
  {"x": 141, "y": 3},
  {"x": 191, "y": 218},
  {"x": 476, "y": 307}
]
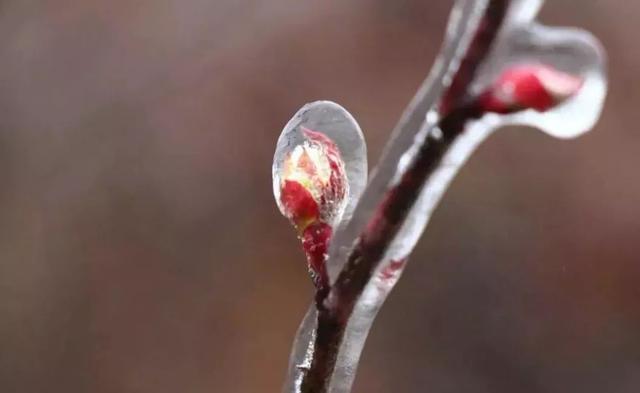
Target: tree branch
[{"x": 336, "y": 305}]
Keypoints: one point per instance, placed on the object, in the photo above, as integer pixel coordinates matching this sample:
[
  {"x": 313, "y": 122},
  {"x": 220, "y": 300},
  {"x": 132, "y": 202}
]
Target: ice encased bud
[
  {"x": 529, "y": 86},
  {"x": 568, "y": 50},
  {"x": 320, "y": 155},
  {"x": 313, "y": 183}
]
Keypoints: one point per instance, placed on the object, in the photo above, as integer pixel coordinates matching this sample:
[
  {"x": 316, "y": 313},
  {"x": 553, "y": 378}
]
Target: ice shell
[{"x": 339, "y": 126}]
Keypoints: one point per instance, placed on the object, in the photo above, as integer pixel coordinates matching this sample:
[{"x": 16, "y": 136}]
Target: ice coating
[
  {"x": 522, "y": 12},
  {"x": 329, "y": 119},
  {"x": 463, "y": 22},
  {"x": 521, "y": 42},
  {"x": 356, "y": 334},
  {"x": 301, "y": 354},
  {"x": 569, "y": 50},
  {"x": 394, "y": 262}
]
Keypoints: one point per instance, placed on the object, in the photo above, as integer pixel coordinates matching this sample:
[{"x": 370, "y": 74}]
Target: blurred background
[{"x": 141, "y": 249}]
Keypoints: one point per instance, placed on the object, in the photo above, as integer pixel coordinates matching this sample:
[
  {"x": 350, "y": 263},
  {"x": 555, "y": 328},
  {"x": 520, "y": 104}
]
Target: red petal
[
  {"x": 529, "y": 92},
  {"x": 299, "y": 204},
  {"x": 530, "y": 86}
]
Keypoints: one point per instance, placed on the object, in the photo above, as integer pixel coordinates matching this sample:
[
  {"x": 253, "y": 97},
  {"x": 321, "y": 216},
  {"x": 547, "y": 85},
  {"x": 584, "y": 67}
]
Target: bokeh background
[{"x": 141, "y": 250}]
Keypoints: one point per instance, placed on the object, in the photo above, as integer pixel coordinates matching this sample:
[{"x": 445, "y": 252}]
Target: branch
[
  {"x": 335, "y": 307},
  {"x": 373, "y": 243},
  {"x": 311, "y": 179}
]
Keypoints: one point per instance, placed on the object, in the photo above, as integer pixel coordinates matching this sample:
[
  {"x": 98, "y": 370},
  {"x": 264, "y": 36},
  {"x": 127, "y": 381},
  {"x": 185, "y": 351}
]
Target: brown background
[{"x": 141, "y": 250}]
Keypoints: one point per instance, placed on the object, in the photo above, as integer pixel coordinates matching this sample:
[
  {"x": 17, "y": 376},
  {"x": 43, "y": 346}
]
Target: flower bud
[
  {"x": 529, "y": 86},
  {"x": 313, "y": 183},
  {"x": 314, "y": 190}
]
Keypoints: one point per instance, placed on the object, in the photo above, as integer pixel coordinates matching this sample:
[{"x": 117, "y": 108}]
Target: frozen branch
[
  {"x": 391, "y": 213},
  {"x": 445, "y": 128}
]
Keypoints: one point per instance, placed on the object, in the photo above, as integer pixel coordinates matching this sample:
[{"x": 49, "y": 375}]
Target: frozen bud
[
  {"x": 319, "y": 172},
  {"x": 313, "y": 193},
  {"x": 313, "y": 182},
  {"x": 529, "y": 86}
]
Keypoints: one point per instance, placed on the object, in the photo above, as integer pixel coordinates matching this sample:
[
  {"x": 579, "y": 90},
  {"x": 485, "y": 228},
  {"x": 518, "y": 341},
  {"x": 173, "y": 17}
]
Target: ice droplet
[{"x": 335, "y": 122}]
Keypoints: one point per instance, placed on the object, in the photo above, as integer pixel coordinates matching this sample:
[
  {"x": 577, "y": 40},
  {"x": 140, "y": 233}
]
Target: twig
[
  {"x": 372, "y": 244},
  {"x": 337, "y": 306}
]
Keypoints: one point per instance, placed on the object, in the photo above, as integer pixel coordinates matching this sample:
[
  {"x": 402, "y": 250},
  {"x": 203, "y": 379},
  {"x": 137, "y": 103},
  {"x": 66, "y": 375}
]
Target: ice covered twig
[{"x": 460, "y": 104}]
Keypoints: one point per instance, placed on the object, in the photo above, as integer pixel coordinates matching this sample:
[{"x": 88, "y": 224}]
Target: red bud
[
  {"x": 299, "y": 204},
  {"x": 529, "y": 86},
  {"x": 313, "y": 195}
]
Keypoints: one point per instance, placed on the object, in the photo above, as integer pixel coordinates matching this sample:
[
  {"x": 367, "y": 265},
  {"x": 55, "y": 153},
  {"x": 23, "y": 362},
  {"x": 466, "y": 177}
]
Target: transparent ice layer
[
  {"x": 521, "y": 41},
  {"x": 336, "y": 123},
  {"x": 463, "y": 22},
  {"x": 570, "y": 50}
]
